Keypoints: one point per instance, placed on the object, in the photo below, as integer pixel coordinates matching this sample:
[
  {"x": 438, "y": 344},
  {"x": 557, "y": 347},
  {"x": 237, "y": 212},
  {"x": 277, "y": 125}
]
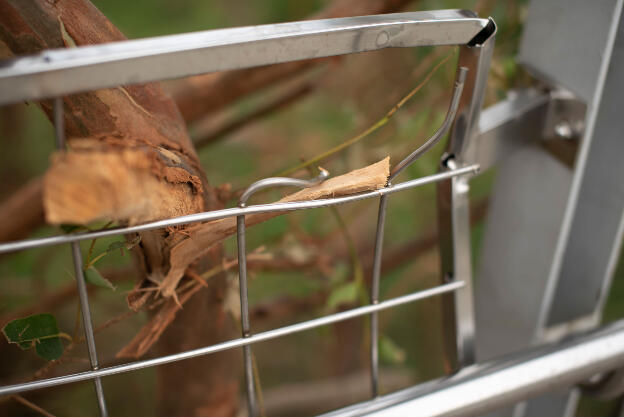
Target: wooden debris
[{"x": 198, "y": 238}]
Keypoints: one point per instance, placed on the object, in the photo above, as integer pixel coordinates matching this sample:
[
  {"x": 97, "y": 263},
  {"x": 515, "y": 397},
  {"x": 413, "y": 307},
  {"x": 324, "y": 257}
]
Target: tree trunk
[
  {"x": 196, "y": 97},
  {"x": 131, "y": 160}
]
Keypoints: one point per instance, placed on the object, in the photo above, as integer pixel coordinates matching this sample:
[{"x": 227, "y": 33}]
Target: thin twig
[
  {"x": 31, "y": 405},
  {"x": 380, "y": 123},
  {"x": 215, "y": 134}
]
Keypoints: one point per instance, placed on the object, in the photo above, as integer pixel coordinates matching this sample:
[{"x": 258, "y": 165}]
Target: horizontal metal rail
[
  {"x": 235, "y": 343},
  {"x": 486, "y": 387},
  {"x": 233, "y": 212},
  {"x": 60, "y": 72}
]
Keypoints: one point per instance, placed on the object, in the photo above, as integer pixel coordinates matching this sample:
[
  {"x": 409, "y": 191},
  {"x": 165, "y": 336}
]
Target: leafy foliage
[
  {"x": 344, "y": 294},
  {"x": 39, "y": 331},
  {"x": 390, "y": 352},
  {"x": 93, "y": 276}
]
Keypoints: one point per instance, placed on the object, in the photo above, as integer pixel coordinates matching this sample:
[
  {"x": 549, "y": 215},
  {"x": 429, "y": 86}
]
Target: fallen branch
[
  {"x": 199, "y": 238},
  {"x": 31, "y": 405}
]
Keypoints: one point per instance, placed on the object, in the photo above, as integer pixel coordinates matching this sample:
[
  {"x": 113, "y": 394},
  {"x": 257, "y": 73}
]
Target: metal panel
[
  {"x": 532, "y": 217},
  {"x": 521, "y": 231},
  {"x": 564, "y": 40},
  {"x": 64, "y": 71},
  {"x": 595, "y": 230}
]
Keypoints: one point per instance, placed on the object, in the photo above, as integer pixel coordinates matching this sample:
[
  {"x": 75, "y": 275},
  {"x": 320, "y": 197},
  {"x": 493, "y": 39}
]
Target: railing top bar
[
  {"x": 234, "y": 343},
  {"x": 232, "y": 212},
  {"x": 60, "y": 72}
]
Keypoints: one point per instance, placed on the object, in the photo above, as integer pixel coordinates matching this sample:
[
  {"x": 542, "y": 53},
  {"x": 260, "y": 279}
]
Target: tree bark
[
  {"x": 196, "y": 96},
  {"x": 131, "y": 160},
  {"x": 137, "y": 134}
]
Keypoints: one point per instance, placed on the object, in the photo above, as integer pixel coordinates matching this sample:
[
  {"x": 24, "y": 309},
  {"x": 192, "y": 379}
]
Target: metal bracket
[{"x": 553, "y": 117}]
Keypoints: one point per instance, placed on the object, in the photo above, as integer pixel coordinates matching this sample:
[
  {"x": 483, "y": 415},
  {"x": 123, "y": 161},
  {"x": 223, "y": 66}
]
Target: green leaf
[
  {"x": 390, "y": 352},
  {"x": 343, "y": 294},
  {"x": 94, "y": 277},
  {"x": 40, "y": 331}
]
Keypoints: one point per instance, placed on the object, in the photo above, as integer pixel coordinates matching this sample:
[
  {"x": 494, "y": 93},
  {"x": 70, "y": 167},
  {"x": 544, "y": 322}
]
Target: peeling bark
[
  {"x": 23, "y": 32},
  {"x": 198, "y": 238},
  {"x": 130, "y": 159}
]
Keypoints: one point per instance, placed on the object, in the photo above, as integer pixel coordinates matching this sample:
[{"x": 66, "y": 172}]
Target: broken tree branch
[{"x": 198, "y": 238}]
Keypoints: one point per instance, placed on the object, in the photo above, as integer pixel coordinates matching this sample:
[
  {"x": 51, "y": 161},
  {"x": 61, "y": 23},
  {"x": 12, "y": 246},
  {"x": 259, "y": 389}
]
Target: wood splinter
[{"x": 198, "y": 238}]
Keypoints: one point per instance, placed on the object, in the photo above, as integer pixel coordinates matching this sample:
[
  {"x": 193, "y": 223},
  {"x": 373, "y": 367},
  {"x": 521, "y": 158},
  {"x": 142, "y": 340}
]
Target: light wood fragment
[{"x": 197, "y": 239}]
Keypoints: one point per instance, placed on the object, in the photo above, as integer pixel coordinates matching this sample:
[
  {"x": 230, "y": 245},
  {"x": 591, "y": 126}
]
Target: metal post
[
  {"x": 552, "y": 233},
  {"x": 374, "y": 319},
  {"x": 453, "y": 207},
  {"x": 242, "y": 271},
  {"x": 80, "y": 279},
  {"x": 245, "y": 326}
]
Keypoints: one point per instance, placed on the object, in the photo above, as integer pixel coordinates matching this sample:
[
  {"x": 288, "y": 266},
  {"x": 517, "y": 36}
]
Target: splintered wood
[
  {"x": 128, "y": 185},
  {"x": 197, "y": 239},
  {"x": 193, "y": 242}
]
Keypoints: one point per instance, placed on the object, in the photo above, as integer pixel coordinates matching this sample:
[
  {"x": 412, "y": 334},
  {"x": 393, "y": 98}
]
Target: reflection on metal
[
  {"x": 453, "y": 209},
  {"x": 64, "y": 71},
  {"x": 555, "y": 223},
  {"x": 485, "y": 387}
]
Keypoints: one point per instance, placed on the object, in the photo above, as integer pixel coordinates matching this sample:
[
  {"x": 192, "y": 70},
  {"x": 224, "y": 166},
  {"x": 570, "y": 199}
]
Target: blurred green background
[{"x": 351, "y": 95}]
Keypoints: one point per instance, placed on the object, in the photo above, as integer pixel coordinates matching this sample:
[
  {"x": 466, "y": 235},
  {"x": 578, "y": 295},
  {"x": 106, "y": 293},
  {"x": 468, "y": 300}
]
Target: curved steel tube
[
  {"x": 280, "y": 182},
  {"x": 439, "y": 134}
]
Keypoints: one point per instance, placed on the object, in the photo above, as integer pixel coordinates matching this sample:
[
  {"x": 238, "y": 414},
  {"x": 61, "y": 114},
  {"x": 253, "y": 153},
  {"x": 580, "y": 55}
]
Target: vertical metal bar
[
  {"x": 88, "y": 326},
  {"x": 374, "y": 297},
  {"x": 85, "y": 309},
  {"x": 455, "y": 237},
  {"x": 453, "y": 207},
  {"x": 245, "y": 326}
]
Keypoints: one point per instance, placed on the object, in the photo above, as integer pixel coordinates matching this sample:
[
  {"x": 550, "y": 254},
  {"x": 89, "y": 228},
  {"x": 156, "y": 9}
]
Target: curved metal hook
[
  {"x": 280, "y": 181},
  {"x": 242, "y": 271},
  {"x": 439, "y": 134}
]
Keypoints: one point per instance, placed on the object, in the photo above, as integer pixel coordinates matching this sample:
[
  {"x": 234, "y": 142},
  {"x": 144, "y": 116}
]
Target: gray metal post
[
  {"x": 552, "y": 234},
  {"x": 59, "y": 129},
  {"x": 453, "y": 207}
]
